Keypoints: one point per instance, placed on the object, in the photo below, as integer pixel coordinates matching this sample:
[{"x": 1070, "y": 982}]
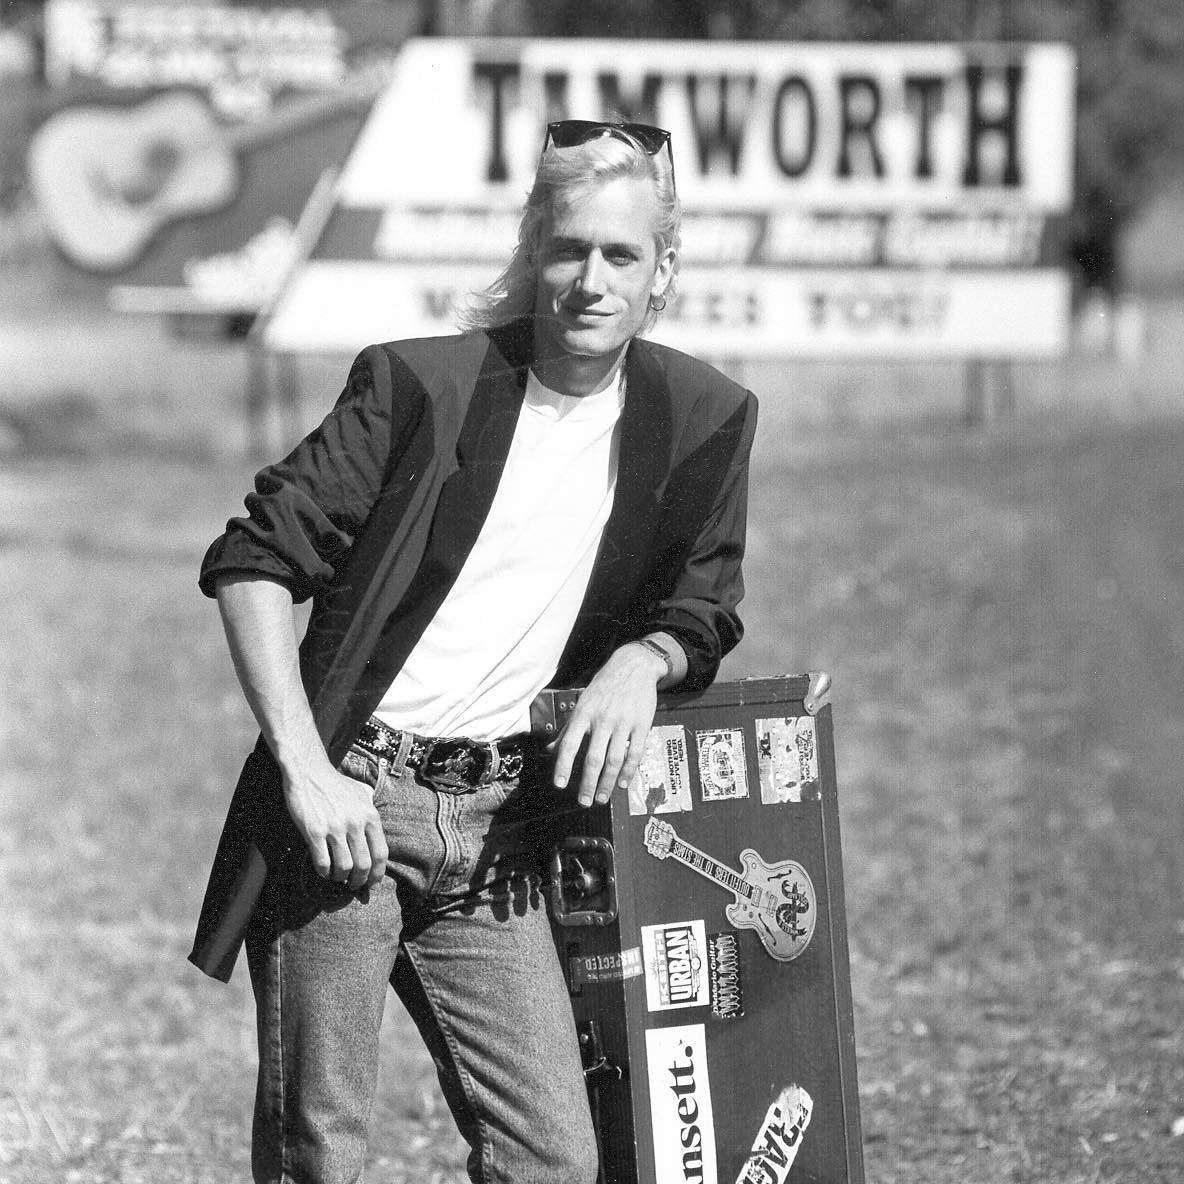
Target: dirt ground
[{"x": 1001, "y": 610}]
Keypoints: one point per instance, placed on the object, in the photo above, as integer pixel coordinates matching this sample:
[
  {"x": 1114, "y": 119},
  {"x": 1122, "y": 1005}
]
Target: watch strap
[{"x": 655, "y": 648}]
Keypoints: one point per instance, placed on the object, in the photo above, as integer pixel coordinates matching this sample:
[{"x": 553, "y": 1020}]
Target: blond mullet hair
[{"x": 566, "y": 175}]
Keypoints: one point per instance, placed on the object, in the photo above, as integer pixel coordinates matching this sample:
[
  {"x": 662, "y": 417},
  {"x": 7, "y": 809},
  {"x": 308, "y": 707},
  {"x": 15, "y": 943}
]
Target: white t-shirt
[{"x": 498, "y": 636}]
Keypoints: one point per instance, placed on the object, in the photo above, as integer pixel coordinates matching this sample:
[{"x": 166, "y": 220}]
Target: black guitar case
[{"x": 701, "y": 923}]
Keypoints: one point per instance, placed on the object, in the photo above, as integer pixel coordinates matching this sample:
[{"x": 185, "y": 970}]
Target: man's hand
[
  {"x": 335, "y": 816},
  {"x": 614, "y": 714}
]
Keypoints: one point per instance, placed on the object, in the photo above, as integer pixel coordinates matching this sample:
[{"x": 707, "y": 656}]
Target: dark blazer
[{"x": 374, "y": 513}]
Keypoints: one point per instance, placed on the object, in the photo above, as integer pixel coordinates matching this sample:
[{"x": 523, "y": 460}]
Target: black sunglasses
[{"x": 567, "y": 133}]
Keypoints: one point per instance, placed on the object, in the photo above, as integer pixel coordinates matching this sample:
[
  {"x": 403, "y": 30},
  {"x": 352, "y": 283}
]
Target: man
[{"x": 544, "y": 500}]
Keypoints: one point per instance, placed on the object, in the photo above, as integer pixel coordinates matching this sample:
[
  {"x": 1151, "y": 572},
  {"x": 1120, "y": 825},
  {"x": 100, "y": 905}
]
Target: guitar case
[{"x": 700, "y": 921}]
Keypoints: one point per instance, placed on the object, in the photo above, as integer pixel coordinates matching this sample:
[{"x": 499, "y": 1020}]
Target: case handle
[{"x": 583, "y": 882}]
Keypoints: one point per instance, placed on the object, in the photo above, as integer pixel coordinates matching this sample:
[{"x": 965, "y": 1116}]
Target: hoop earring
[{"x": 657, "y": 303}]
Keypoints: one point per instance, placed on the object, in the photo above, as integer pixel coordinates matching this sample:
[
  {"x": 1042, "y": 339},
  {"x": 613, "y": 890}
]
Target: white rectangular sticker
[
  {"x": 680, "y": 1105},
  {"x": 675, "y": 959},
  {"x": 663, "y": 781},
  {"x": 721, "y": 764},
  {"x": 787, "y": 757},
  {"x": 780, "y": 1136}
]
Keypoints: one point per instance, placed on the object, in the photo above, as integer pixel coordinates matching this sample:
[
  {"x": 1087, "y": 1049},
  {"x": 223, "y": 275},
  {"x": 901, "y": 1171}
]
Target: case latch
[
  {"x": 583, "y": 882},
  {"x": 595, "y": 1060}
]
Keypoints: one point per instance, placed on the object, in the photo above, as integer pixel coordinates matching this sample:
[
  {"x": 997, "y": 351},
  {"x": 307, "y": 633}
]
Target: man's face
[{"x": 598, "y": 266}]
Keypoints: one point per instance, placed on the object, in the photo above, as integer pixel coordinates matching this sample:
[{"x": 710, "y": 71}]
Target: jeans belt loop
[{"x": 399, "y": 760}]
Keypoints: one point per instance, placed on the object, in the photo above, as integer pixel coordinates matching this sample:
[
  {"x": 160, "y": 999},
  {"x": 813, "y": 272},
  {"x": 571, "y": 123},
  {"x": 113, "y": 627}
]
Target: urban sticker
[
  {"x": 663, "y": 781},
  {"x": 721, "y": 764},
  {"x": 723, "y": 974},
  {"x": 787, "y": 757},
  {"x": 680, "y": 1105},
  {"x": 776, "y": 1146},
  {"x": 675, "y": 965}
]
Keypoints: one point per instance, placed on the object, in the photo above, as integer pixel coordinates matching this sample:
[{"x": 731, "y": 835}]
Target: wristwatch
[{"x": 655, "y": 648}]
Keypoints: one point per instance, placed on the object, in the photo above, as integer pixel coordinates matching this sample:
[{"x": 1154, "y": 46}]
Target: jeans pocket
[{"x": 362, "y": 766}]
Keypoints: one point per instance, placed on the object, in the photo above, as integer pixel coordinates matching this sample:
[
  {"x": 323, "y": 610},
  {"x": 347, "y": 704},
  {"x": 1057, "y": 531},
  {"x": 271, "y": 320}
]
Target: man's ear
[{"x": 664, "y": 272}]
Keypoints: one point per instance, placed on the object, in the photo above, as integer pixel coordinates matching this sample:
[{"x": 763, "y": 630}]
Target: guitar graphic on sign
[
  {"x": 775, "y": 899},
  {"x": 108, "y": 178}
]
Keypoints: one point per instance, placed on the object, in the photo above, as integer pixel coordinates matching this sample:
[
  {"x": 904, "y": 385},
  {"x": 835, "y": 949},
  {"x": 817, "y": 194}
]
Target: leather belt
[{"x": 451, "y": 762}]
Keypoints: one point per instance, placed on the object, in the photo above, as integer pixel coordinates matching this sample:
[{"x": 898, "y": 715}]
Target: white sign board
[{"x": 840, "y": 199}]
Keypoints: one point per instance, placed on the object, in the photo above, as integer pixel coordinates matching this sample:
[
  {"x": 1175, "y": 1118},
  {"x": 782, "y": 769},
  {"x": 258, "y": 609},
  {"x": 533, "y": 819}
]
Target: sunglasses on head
[{"x": 567, "y": 133}]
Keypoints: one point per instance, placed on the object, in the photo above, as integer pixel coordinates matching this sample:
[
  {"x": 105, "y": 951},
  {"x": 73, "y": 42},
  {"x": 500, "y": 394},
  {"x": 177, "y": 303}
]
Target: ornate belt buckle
[{"x": 455, "y": 764}]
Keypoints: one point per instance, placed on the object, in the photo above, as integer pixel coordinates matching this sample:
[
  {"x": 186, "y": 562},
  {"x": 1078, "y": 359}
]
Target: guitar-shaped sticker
[
  {"x": 107, "y": 179},
  {"x": 775, "y": 899}
]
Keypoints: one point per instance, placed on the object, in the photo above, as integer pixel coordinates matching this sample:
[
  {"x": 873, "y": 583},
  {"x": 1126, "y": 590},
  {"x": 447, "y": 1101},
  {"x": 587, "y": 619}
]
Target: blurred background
[{"x": 944, "y": 244}]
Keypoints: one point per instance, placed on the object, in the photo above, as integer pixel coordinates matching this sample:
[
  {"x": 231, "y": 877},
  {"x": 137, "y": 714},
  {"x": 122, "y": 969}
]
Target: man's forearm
[
  {"x": 260, "y": 631},
  {"x": 334, "y": 814}
]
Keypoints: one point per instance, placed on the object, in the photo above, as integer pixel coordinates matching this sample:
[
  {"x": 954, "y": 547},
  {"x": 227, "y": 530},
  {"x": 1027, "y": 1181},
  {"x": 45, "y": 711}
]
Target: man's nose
[{"x": 592, "y": 274}]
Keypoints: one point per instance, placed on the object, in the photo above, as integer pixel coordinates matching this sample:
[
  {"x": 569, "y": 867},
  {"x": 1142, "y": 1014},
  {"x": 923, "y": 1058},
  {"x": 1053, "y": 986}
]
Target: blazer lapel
[{"x": 481, "y": 450}]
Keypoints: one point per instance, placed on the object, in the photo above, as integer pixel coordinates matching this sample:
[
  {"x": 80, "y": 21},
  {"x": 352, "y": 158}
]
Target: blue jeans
[{"x": 480, "y": 978}]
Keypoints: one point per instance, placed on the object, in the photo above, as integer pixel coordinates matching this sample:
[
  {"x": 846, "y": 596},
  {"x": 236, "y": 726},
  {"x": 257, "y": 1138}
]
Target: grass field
[{"x": 1003, "y": 615}]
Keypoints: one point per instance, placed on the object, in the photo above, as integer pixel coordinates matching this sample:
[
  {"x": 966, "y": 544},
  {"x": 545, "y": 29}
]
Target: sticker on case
[
  {"x": 723, "y": 973},
  {"x": 779, "y": 1139},
  {"x": 787, "y": 757},
  {"x": 777, "y": 900},
  {"x": 722, "y": 774},
  {"x": 663, "y": 781},
  {"x": 680, "y": 1105},
  {"x": 675, "y": 957},
  {"x": 585, "y": 969}
]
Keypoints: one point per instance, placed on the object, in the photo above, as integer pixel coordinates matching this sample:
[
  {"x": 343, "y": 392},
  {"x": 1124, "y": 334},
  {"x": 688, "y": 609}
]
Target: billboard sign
[
  {"x": 185, "y": 139},
  {"x": 840, "y": 199}
]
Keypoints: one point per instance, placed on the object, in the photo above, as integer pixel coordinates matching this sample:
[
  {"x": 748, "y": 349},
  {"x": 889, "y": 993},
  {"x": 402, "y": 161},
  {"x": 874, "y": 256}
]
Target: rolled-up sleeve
[
  {"x": 306, "y": 511},
  {"x": 699, "y": 607}
]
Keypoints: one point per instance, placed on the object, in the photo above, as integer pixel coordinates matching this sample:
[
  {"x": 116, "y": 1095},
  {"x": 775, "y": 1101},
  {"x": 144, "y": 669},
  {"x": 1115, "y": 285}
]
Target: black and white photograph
[{"x": 593, "y": 592}]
